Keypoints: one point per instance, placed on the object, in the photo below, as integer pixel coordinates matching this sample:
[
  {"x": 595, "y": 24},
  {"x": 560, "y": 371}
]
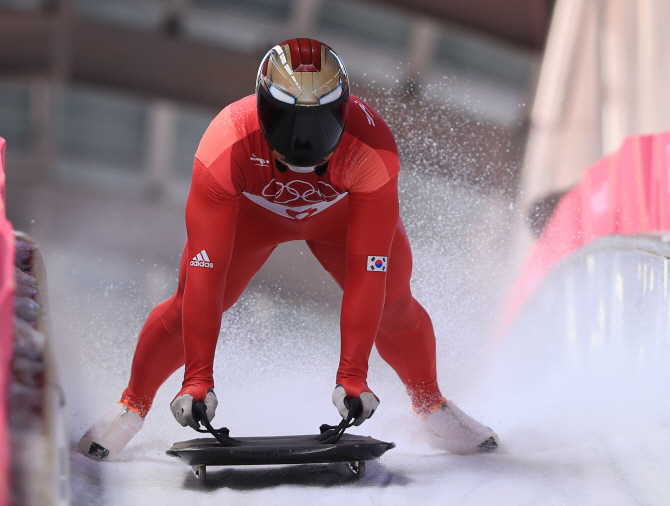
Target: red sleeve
[
  {"x": 373, "y": 219},
  {"x": 211, "y": 214}
]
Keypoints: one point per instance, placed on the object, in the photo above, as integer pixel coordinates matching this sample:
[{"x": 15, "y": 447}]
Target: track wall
[{"x": 7, "y": 289}]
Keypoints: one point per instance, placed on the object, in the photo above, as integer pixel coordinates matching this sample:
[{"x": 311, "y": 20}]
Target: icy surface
[{"x": 577, "y": 392}]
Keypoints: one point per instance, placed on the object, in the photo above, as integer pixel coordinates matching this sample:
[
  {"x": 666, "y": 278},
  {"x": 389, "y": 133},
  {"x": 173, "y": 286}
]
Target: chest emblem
[
  {"x": 297, "y": 199},
  {"x": 295, "y": 191}
]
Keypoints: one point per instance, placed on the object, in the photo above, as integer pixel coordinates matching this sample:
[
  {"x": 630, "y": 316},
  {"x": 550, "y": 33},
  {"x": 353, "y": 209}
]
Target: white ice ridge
[{"x": 584, "y": 373}]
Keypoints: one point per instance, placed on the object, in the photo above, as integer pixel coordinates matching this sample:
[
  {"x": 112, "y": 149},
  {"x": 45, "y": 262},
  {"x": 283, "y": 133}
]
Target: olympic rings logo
[{"x": 300, "y": 190}]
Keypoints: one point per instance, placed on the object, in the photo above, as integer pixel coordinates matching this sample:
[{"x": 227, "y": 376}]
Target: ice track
[{"x": 577, "y": 391}]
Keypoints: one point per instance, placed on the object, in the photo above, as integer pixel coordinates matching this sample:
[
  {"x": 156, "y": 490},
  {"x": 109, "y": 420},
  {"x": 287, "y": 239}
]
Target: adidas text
[
  {"x": 201, "y": 263},
  {"x": 202, "y": 260}
]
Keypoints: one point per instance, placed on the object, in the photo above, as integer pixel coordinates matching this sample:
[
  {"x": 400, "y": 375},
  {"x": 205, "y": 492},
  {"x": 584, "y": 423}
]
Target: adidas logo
[{"x": 202, "y": 260}]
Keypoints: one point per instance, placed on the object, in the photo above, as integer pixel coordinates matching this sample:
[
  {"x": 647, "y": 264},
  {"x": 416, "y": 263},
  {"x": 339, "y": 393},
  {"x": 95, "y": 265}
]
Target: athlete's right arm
[{"x": 211, "y": 214}]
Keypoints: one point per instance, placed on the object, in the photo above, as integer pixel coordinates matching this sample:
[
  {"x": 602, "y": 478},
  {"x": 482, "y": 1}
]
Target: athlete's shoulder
[
  {"x": 233, "y": 124},
  {"x": 368, "y": 127},
  {"x": 367, "y": 157},
  {"x": 228, "y": 138}
]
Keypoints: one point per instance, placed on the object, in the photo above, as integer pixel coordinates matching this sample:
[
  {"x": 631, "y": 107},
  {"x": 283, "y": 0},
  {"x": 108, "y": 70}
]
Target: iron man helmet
[{"x": 302, "y": 92}]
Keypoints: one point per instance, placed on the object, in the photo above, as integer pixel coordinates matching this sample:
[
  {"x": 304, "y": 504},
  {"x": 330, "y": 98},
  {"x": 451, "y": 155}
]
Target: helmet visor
[{"x": 304, "y": 136}]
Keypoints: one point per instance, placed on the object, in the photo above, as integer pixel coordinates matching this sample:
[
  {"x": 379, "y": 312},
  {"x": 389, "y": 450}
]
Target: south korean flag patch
[{"x": 377, "y": 263}]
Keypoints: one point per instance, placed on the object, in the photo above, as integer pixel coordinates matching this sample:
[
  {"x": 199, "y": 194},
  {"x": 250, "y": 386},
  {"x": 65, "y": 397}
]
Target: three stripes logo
[{"x": 202, "y": 260}]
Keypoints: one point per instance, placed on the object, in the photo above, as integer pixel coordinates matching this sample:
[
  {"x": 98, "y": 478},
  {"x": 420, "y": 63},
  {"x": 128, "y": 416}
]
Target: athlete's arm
[
  {"x": 373, "y": 219},
  {"x": 211, "y": 213}
]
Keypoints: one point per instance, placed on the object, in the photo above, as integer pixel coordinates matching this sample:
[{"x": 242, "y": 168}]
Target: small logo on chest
[{"x": 259, "y": 162}]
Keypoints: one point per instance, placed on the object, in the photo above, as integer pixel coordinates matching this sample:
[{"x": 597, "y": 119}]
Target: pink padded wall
[
  {"x": 7, "y": 288},
  {"x": 626, "y": 192}
]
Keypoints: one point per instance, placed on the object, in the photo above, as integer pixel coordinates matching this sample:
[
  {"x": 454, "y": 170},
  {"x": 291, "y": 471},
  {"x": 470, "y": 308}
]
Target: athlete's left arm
[{"x": 373, "y": 219}]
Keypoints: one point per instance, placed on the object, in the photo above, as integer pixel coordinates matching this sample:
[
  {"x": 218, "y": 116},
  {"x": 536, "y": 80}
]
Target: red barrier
[
  {"x": 626, "y": 192},
  {"x": 7, "y": 289}
]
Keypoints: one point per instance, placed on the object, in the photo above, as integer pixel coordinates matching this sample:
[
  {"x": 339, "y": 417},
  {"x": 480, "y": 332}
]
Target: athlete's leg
[
  {"x": 160, "y": 347},
  {"x": 159, "y": 351},
  {"x": 405, "y": 339}
]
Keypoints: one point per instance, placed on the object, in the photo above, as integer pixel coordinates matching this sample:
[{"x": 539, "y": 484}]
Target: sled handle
[
  {"x": 331, "y": 434},
  {"x": 222, "y": 435}
]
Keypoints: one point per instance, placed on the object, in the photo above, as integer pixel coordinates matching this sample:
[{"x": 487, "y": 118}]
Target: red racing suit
[{"x": 242, "y": 204}]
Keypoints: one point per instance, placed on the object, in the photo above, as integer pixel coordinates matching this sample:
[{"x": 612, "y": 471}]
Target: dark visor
[{"x": 305, "y": 135}]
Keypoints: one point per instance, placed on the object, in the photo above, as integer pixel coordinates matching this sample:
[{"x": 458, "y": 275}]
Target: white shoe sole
[
  {"x": 109, "y": 436},
  {"x": 458, "y": 433}
]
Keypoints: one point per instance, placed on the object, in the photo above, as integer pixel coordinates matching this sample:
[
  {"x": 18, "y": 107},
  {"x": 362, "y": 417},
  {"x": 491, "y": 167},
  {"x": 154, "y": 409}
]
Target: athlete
[{"x": 301, "y": 160}]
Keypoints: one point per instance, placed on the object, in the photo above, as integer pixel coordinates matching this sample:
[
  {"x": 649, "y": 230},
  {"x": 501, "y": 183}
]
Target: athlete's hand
[
  {"x": 369, "y": 404},
  {"x": 182, "y": 408}
]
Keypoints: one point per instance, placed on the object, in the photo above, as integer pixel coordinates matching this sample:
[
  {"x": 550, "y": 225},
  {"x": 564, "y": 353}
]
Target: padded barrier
[
  {"x": 7, "y": 289},
  {"x": 625, "y": 192}
]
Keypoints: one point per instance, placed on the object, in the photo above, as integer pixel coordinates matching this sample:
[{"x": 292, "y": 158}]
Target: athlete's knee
[
  {"x": 169, "y": 314},
  {"x": 401, "y": 314}
]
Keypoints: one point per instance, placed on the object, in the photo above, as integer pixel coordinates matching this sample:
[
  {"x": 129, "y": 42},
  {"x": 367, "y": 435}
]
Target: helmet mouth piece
[
  {"x": 319, "y": 170},
  {"x": 305, "y": 136}
]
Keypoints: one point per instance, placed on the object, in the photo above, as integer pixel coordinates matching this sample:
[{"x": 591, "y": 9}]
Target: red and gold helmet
[{"x": 302, "y": 92}]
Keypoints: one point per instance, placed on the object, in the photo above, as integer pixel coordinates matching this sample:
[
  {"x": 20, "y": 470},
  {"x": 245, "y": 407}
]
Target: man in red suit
[{"x": 302, "y": 159}]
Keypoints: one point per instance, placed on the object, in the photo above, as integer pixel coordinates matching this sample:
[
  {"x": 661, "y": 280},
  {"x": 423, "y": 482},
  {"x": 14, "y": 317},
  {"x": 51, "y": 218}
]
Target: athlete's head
[{"x": 302, "y": 92}]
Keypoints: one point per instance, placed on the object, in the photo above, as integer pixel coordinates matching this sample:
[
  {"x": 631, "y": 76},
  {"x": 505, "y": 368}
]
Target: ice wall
[{"x": 585, "y": 368}]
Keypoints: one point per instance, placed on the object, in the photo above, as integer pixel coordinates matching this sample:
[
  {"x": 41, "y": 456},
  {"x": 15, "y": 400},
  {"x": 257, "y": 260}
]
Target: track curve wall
[{"x": 585, "y": 371}]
